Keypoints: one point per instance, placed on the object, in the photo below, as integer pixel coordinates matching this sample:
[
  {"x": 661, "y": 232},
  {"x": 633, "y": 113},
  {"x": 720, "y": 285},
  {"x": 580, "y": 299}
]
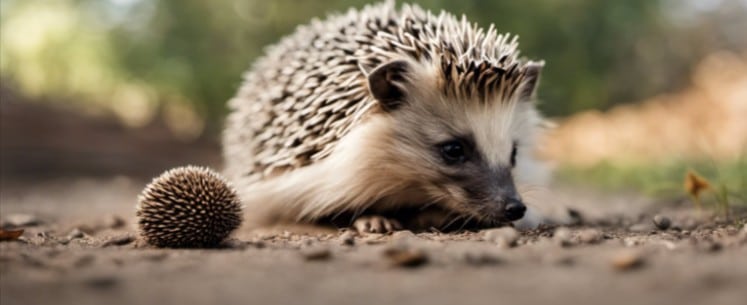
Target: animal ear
[
  {"x": 531, "y": 78},
  {"x": 387, "y": 83}
]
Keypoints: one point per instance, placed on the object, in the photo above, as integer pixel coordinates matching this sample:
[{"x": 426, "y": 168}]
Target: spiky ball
[{"x": 188, "y": 207}]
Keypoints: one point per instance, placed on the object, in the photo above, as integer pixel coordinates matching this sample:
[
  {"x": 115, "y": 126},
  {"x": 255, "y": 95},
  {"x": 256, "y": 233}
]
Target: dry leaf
[
  {"x": 10, "y": 235},
  {"x": 695, "y": 184}
]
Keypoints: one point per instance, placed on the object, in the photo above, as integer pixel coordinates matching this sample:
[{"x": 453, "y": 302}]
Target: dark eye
[
  {"x": 453, "y": 152},
  {"x": 513, "y": 154}
]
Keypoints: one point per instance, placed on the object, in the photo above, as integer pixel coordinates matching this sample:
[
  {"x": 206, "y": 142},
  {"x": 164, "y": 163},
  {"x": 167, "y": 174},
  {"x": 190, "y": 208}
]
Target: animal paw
[{"x": 376, "y": 224}]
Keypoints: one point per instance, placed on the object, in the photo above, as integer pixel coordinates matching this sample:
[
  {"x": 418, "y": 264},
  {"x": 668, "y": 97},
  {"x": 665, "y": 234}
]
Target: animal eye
[
  {"x": 513, "y": 154},
  {"x": 453, "y": 152}
]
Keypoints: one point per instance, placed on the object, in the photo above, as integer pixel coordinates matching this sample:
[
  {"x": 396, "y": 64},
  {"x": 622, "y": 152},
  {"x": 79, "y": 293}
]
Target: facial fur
[{"x": 489, "y": 132}]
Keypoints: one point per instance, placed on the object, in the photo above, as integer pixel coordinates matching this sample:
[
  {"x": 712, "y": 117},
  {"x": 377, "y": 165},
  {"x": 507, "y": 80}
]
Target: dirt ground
[{"x": 79, "y": 247}]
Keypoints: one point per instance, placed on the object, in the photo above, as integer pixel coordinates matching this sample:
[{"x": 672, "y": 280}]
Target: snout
[{"x": 514, "y": 210}]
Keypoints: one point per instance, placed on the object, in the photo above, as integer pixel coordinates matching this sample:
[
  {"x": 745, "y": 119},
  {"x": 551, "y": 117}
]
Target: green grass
[{"x": 728, "y": 179}]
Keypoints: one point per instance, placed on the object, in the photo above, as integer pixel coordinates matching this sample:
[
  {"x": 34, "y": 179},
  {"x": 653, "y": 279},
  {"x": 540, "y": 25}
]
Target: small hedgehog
[
  {"x": 384, "y": 118},
  {"x": 188, "y": 207}
]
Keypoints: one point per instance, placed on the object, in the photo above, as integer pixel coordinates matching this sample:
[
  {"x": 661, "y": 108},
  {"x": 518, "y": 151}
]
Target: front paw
[{"x": 376, "y": 224}]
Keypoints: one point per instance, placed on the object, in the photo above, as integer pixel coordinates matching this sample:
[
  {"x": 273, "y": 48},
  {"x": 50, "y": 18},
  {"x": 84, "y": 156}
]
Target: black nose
[{"x": 514, "y": 210}]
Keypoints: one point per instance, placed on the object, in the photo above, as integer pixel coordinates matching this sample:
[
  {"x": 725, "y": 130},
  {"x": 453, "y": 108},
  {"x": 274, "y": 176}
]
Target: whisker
[{"x": 451, "y": 222}]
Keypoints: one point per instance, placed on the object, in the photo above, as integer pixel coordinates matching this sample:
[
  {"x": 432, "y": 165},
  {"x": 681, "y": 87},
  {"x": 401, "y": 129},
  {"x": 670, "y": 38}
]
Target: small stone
[
  {"x": 632, "y": 241},
  {"x": 75, "y": 234},
  {"x": 347, "y": 238},
  {"x": 662, "y": 222},
  {"x": 403, "y": 238},
  {"x": 627, "y": 260},
  {"x": 590, "y": 236},
  {"x": 575, "y": 217},
  {"x": 403, "y": 234},
  {"x": 405, "y": 257},
  {"x": 562, "y": 236},
  {"x": 668, "y": 244},
  {"x": 21, "y": 220},
  {"x": 505, "y": 237},
  {"x": 120, "y": 240},
  {"x": 316, "y": 253}
]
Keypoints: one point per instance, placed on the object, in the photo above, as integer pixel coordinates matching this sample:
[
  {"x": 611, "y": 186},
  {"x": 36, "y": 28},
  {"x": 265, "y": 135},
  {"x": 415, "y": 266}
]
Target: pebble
[
  {"x": 403, "y": 238},
  {"x": 575, "y": 217},
  {"x": 75, "y": 234},
  {"x": 505, "y": 237},
  {"x": 405, "y": 257},
  {"x": 590, "y": 236},
  {"x": 633, "y": 241},
  {"x": 562, "y": 237},
  {"x": 662, "y": 222},
  {"x": 21, "y": 220},
  {"x": 627, "y": 260},
  {"x": 120, "y": 240},
  {"x": 347, "y": 238},
  {"x": 403, "y": 234},
  {"x": 316, "y": 253}
]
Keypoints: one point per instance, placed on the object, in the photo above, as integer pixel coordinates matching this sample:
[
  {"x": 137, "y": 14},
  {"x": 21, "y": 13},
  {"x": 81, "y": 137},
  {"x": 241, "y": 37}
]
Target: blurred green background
[{"x": 183, "y": 58}]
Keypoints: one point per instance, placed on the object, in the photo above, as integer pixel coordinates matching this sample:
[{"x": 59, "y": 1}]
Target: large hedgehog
[{"x": 383, "y": 117}]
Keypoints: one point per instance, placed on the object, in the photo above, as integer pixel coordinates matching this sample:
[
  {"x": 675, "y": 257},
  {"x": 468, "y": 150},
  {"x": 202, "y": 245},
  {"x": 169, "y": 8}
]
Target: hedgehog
[
  {"x": 188, "y": 206},
  {"x": 385, "y": 118}
]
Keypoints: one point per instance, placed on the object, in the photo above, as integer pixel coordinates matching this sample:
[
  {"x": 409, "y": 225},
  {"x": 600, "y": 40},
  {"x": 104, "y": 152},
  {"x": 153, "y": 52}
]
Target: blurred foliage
[
  {"x": 727, "y": 179},
  {"x": 184, "y": 58}
]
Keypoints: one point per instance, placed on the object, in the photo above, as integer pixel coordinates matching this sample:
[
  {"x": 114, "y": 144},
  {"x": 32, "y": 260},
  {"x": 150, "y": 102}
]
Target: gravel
[
  {"x": 662, "y": 222},
  {"x": 505, "y": 237},
  {"x": 119, "y": 240}
]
